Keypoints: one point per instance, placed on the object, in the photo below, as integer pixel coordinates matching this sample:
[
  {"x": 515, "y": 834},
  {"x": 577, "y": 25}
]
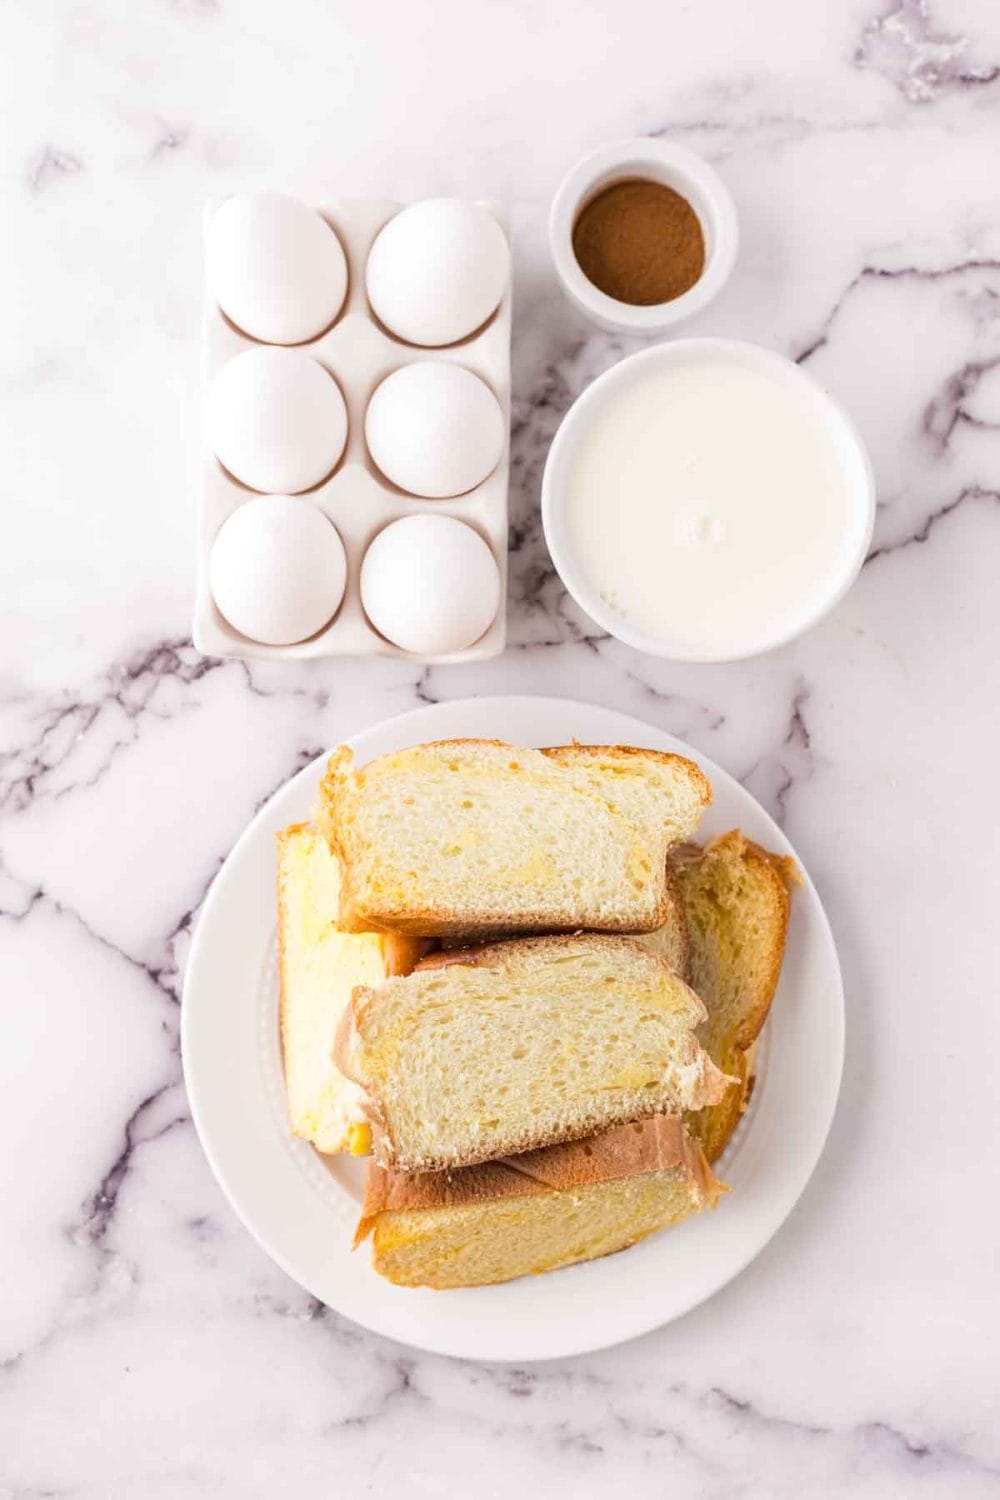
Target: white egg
[
  {"x": 276, "y": 420},
  {"x": 430, "y": 584},
  {"x": 277, "y": 570},
  {"x": 435, "y": 429},
  {"x": 275, "y": 267},
  {"x": 437, "y": 271}
]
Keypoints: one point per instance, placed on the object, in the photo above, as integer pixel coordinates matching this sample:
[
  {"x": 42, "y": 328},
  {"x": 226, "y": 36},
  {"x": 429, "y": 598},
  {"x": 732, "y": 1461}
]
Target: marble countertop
[{"x": 147, "y": 1347}]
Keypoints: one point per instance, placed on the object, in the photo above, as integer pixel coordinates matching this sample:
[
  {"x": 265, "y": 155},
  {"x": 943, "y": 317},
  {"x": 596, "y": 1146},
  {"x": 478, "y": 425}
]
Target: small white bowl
[
  {"x": 588, "y": 406},
  {"x": 675, "y": 167}
]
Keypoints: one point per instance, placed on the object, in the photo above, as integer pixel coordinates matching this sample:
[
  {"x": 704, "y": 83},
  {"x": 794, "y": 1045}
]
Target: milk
[{"x": 710, "y": 505}]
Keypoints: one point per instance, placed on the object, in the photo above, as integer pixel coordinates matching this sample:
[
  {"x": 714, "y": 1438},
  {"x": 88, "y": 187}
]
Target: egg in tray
[{"x": 357, "y": 409}]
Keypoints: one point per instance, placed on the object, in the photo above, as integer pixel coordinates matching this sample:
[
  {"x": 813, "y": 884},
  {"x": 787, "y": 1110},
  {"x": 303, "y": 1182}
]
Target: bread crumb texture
[
  {"x": 474, "y": 1244},
  {"x": 319, "y": 966},
  {"x": 503, "y": 1049},
  {"x": 469, "y": 836}
]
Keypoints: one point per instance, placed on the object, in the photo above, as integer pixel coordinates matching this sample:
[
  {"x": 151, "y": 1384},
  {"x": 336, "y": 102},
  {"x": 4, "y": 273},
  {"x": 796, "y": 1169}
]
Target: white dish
[
  {"x": 778, "y": 623},
  {"x": 359, "y": 354},
  {"x": 302, "y": 1209},
  {"x": 677, "y": 168}
]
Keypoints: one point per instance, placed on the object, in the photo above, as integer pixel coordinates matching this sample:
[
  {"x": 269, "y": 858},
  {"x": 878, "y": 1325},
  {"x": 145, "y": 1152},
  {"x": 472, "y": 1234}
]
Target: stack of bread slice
[{"x": 511, "y": 976}]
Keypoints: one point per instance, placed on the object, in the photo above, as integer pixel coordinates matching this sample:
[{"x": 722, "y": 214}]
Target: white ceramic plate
[{"x": 302, "y": 1208}]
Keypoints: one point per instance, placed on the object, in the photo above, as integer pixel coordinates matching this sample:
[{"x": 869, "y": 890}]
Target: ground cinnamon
[{"x": 639, "y": 242}]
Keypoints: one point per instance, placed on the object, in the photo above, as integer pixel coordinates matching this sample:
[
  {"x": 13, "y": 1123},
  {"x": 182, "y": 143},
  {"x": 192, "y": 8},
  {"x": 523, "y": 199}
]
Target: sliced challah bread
[
  {"x": 475, "y": 837},
  {"x": 573, "y": 1202},
  {"x": 735, "y": 899},
  {"x": 319, "y": 966},
  {"x": 486, "y": 1052},
  {"x": 670, "y": 940},
  {"x": 535, "y": 1212}
]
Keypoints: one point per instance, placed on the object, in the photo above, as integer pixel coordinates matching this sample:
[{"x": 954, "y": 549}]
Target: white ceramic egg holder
[{"x": 359, "y": 353}]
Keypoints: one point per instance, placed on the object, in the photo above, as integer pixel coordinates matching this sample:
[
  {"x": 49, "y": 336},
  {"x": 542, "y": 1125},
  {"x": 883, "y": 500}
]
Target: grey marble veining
[{"x": 147, "y": 1347}]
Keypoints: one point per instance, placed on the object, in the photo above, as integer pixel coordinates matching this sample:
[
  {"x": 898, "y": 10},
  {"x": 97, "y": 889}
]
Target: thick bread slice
[
  {"x": 319, "y": 966},
  {"x": 476, "y": 837},
  {"x": 735, "y": 899},
  {"x": 535, "y": 1212},
  {"x": 671, "y": 940},
  {"x": 486, "y": 1052}
]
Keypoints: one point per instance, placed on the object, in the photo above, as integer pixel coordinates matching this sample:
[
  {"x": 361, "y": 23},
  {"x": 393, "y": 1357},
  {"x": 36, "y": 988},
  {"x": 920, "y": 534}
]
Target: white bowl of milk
[{"x": 705, "y": 500}]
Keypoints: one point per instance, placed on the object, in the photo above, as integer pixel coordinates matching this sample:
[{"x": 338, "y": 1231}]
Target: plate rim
[{"x": 495, "y": 705}]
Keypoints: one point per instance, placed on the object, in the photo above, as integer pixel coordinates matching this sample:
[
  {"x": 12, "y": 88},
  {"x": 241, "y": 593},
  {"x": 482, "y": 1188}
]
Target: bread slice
[
  {"x": 735, "y": 898},
  {"x": 531, "y": 1213},
  {"x": 670, "y": 941},
  {"x": 486, "y": 1052},
  {"x": 562, "y": 1204},
  {"x": 319, "y": 966},
  {"x": 476, "y": 837}
]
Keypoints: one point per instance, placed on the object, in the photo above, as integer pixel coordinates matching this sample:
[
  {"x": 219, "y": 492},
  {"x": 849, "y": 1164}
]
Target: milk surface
[{"x": 710, "y": 505}]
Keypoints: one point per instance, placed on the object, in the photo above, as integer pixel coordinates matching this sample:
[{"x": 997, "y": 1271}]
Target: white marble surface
[{"x": 148, "y": 1348}]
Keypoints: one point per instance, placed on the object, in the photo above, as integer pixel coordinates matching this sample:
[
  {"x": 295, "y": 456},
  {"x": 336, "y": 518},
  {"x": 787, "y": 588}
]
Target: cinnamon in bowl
[
  {"x": 640, "y": 242},
  {"x": 643, "y": 234}
]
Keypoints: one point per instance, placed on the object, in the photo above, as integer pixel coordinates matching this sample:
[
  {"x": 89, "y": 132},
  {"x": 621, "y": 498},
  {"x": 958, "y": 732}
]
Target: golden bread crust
[{"x": 773, "y": 877}]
